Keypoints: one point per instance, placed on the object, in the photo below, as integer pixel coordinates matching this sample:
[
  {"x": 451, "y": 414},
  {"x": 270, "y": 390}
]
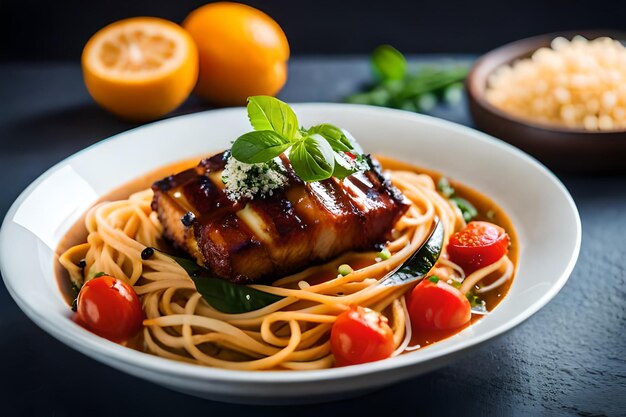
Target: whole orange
[{"x": 243, "y": 52}]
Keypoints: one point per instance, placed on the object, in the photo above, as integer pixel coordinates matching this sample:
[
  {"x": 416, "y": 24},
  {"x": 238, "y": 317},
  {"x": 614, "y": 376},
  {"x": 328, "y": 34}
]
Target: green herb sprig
[
  {"x": 477, "y": 304},
  {"x": 420, "y": 91},
  {"x": 315, "y": 154},
  {"x": 467, "y": 209}
]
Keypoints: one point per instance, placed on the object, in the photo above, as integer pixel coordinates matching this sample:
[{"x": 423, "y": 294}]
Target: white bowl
[{"x": 543, "y": 212}]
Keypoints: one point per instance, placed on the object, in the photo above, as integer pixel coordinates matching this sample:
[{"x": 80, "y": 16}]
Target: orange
[
  {"x": 243, "y": 52},
  {"x": 140, "y": 68}
]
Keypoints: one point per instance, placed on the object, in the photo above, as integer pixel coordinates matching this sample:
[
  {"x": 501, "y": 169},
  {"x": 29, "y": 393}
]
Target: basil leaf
[
  {"x": 312, "y": 158},
  {"x": 335, "y": 136},
  {"x": 467, "y": 209},
  {"x": 259, "y": 146},
  {"x": 421, "y": 262},
  {"x": 223, "y": 295},
  {"x": 343, "y": 167},
  {"x": 269, "y": 113},
  {"x": 346, "y": 166},
  {"x": 389, "y": 63}
]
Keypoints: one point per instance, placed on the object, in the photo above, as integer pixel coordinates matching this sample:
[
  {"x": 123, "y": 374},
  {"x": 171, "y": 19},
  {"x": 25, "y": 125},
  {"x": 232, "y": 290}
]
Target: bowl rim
[
  {"x": 525, "y": 47},
  {"x": 104, "y": 351}
]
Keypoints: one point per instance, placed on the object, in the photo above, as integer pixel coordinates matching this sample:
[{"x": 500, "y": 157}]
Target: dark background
[
  {"x": 568, "y": 359},
  {"x": 36, "y": 30}
]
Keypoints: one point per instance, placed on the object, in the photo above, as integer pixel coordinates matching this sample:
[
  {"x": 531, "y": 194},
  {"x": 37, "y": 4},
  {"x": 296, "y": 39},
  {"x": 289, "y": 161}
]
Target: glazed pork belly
[{"x": 267, "y": 237}]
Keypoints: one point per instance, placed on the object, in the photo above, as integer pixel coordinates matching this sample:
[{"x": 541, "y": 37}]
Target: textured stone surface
[{"x": 568, "y": 359}]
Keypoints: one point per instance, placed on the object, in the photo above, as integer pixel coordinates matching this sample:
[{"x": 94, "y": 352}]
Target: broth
[{"x": 77, "y": 234}]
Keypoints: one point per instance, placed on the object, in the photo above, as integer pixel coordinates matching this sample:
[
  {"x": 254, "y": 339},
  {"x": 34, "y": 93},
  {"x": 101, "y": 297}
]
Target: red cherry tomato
[
  {"x": 110, "y": 308},
  {"x": 479, "y": 244},
  {"x": 437, "y": 306},
  {"x": 360, "y": 335}
]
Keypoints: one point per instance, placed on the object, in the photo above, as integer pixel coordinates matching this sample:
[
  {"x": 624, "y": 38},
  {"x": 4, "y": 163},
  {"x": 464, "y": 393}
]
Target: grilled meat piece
[{"x": 272, "y": 236}]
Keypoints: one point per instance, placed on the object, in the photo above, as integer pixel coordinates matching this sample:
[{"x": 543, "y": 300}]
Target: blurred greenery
[{"x": 418, "y": 91}]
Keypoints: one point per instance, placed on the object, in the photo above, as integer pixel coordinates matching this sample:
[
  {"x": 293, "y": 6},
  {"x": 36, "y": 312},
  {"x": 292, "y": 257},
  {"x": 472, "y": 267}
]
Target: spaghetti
[{"x": 292, "y": 333}]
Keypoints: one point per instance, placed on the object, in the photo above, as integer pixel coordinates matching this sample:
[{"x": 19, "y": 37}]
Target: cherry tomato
[
  {"x": 437, "y": 306},
  {"x": 477, "y": 245},
  {"x": 110, "y": 308},
  {"x": 360, "y": 335}
]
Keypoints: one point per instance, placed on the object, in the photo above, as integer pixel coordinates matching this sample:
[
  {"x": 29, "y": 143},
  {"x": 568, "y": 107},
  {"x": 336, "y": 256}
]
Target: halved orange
[{"x": 140, "y": 68}]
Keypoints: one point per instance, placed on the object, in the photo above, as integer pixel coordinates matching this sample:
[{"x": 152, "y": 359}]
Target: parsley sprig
[{"x": 315, "y": 154}]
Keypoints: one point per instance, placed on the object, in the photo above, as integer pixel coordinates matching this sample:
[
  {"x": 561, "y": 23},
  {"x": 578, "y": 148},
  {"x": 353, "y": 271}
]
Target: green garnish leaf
[
  {"x": 388, "y": 63},
  {"x": 477, "y": 304},
  {"x": 467, "y": 209},
  {"x": 384, "y": 254},
  {"x": 259, "y": 146},
  {"x": 335, "y": 136},
  {"x": 315, "y": 154},
  {"x": 269, "y": 113},
  {"x": 312, "y": 158},
  {"x": 223, "y": 295},
  {"x": 99, "y": 274},
  {"x": 434, "y": 279},
  {"x": 343, "y": 166},
  {"x": 445, "y": 188},
  {"x": 421, "y": 262},
  {"x": 346, "y": 165},
  {"x": 456, "y": 284}
]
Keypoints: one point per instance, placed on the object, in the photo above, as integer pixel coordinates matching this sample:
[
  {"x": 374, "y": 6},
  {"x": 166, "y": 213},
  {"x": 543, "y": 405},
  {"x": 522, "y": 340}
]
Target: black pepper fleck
[
  {"x": 188, "y": 219},
  {"x": 165, "y": 184},
  {"x": 147, "y": 253},
  {"x": 82, "y": 264}
]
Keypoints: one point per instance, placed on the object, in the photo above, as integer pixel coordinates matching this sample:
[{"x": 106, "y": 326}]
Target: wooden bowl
[{"x": 564, "y": 149}]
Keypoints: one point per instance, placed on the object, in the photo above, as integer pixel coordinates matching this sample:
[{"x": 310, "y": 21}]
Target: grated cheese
[{"x": 250, "y": 180}]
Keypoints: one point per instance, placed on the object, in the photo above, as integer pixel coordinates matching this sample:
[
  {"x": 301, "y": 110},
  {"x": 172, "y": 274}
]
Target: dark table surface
[{"x": 568, "y": 359}]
